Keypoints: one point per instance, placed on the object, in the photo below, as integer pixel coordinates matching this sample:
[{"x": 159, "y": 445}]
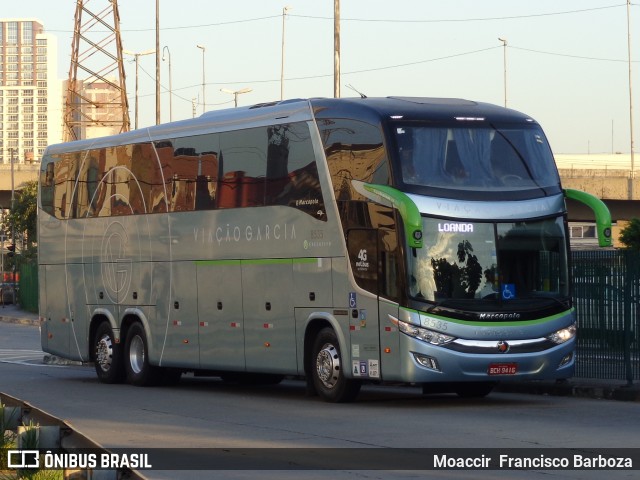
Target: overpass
[
  {"x": 608, "y": 177},
  {"x": 22, "y": 172}
]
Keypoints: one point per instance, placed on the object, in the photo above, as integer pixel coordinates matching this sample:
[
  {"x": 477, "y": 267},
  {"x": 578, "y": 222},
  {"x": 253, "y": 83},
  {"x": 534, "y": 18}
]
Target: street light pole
[
  {"x": 504, "y": 61},
  {"x": 136, "y": 56},
  {"x": 204, "y": 98},
  {"x": 170, "y": 88},
  {"x": 235, "y": 93},
  {"x": 284, "y": 13}
]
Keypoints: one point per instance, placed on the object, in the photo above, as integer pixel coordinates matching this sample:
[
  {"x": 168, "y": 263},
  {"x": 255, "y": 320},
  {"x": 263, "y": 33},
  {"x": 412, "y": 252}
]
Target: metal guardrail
[{"x": 57, "y": 435}]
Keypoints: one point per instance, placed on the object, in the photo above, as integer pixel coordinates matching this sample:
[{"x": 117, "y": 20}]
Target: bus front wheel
[
  {"x": 107, "y": 355},
  {"x": 328, "y": 371},
  {"x": 136, "y": 353}
]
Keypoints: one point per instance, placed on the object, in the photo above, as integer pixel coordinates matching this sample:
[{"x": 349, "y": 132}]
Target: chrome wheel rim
[
  {"x": 104, "y": 353},
  {"x": 328, "y": 365},
  {"x": 136, "y": 354}
]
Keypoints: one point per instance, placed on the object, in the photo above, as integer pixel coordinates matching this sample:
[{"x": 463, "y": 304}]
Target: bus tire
[
  {"x": 136, "y": 359},
  {"x": 327, "y": 370},
  {"x": 108, "y": 360}
]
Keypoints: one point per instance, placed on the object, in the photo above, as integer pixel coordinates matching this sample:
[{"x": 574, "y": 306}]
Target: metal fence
[
  {"x": 28, "y": 286},
  {"x": 606, "y": 292}
]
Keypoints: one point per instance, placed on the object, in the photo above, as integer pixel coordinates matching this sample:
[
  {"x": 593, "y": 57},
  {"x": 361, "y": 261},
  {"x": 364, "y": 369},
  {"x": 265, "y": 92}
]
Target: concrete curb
[
  {"x": 21, "y": 321},
  {"x": 605, "y": 390}
]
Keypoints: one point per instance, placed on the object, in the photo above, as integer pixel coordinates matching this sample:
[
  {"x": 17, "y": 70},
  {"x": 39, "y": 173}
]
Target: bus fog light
[
  {"x": 566, "y": 360},
  {"x": 563, "y": 335},
  {"x": 427, "y": 362}
]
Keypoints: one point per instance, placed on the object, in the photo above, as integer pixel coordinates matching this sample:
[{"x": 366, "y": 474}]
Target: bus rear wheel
[
  {"x": 327, "y": 370},
  {"x": 107, "y": 355},
  {"x": 136, "y": 354}
]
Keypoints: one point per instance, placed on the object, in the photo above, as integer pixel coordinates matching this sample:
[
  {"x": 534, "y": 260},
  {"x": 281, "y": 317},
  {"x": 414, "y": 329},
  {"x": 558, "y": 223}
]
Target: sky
[{"x": 567, "y": 60}]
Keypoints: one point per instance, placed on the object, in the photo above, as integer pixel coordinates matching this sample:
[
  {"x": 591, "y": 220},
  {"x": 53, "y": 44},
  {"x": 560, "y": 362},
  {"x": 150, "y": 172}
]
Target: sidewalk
[
  {"x": 574, "y": 387},
  {"x": 577, "y": 387},
  {"x": 13, "y": 314}
]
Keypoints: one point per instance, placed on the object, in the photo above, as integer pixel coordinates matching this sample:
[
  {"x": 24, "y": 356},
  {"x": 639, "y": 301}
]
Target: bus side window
[
  {"x": 244, "y": 168},
  {"x": 292, "y": 173},
  {"x": 47, "y": 186},
  {"x": 207, "y": 181}
]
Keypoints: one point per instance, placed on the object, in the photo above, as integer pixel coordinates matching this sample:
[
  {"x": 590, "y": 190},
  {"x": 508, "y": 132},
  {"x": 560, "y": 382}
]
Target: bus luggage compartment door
[
  {"x": 269, "y": 320},
  {"x": 221, "y": 324}
]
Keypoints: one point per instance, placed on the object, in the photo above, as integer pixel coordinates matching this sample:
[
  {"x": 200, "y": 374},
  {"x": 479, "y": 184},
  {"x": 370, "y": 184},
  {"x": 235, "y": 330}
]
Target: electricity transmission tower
[{"x": 96, "y": 104}]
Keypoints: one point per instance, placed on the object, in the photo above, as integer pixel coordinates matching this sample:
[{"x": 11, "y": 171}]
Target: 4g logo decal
[{"x": 362, "y": 264}]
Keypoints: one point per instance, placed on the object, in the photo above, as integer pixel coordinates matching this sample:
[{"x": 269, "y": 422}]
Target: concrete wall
[
  {"x": 604, "y": 184},
  {"x": 21, "y": 173}
]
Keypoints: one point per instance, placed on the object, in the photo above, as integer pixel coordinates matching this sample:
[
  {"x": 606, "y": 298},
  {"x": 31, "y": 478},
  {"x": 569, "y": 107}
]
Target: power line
[
  {"x": 378, "y": 20},
  {"x": 452, "y": 20},
  {"x": 389, "y": 67},
  {"x": 181, "y": 27},
  {"x": 566, "y": 55},
  {"x": 354, "y": 72}
]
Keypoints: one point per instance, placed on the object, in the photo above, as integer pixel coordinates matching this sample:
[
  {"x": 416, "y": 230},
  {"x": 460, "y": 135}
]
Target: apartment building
[{"x": 30, "y": 91}]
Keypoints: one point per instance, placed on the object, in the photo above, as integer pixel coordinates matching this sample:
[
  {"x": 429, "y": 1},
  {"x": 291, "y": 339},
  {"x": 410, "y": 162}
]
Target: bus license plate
[{"x": 503, "y": 369}]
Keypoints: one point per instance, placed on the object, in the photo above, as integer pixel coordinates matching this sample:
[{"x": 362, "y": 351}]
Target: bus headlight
[
  {"x": 424, "y": 334},
  {"x": 563, "y": 335}
]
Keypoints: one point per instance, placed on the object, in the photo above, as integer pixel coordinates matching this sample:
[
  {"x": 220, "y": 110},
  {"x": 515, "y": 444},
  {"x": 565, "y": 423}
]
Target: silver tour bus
[{"x": 345, "y": 241}]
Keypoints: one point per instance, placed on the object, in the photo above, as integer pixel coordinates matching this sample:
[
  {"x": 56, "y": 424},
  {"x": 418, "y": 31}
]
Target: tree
[
  {"x": 630, "y": 235},
  {"x": 23, "y": 216}
]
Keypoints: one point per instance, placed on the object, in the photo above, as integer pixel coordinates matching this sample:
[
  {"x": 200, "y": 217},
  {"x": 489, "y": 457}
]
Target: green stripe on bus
[
  {"x": 257, "y": 261},
  {"x": 493, "y": 324}
]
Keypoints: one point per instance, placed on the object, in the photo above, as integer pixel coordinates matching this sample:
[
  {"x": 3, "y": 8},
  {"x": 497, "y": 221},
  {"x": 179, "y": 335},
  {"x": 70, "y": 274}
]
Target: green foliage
[
  {"x": 23, "y": 216},
  {"x": 7, "y": 437},
  {"x": 630, "y": 235}
]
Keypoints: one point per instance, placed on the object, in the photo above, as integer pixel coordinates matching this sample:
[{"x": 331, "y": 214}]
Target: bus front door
[{"x": 364, "y": 335}]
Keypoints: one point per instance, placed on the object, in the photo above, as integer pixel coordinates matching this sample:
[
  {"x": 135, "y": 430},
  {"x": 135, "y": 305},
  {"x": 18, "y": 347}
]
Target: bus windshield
[
  {"x": 481, "y": 158},
  {"x": 509, "y": 261}
]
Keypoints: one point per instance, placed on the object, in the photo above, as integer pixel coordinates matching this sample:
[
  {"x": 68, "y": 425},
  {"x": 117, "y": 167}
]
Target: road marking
[{"x": 23, "y": 357}]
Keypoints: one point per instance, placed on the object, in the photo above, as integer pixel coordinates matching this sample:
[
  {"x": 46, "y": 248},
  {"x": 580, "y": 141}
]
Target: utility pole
[
  {"x": 633, "y": 167},
  {"x": 336, "y": 48},
  {"x": 136, "y": 56},
  {"x": 157, "y": 62}
]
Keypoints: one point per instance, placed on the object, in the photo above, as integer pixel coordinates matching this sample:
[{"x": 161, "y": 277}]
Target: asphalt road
[{"x": 207, "y": 413}]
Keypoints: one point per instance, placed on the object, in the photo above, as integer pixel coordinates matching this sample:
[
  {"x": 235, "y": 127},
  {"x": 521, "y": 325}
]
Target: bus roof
[
  {"x": 417, "y": 108},
  {"x": 295, "y": 110}
]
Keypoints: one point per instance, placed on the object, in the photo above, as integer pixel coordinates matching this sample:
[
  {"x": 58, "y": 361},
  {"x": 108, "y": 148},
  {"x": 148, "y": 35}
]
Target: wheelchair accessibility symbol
[
  {"x": 353, "y": 303},
  {"x": 508, "y": 291}
]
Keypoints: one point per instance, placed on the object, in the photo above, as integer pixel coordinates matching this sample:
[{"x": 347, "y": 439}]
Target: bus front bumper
[{"x": 425, "y": 363}]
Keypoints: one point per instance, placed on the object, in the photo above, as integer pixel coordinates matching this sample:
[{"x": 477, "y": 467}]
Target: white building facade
[{"x": 30, "y": 92}]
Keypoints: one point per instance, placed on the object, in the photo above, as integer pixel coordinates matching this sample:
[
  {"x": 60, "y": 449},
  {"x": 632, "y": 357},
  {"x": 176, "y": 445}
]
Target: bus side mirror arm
[
  {"x": 391, "y": 197},
  {"x": 603, "y": 216}
]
